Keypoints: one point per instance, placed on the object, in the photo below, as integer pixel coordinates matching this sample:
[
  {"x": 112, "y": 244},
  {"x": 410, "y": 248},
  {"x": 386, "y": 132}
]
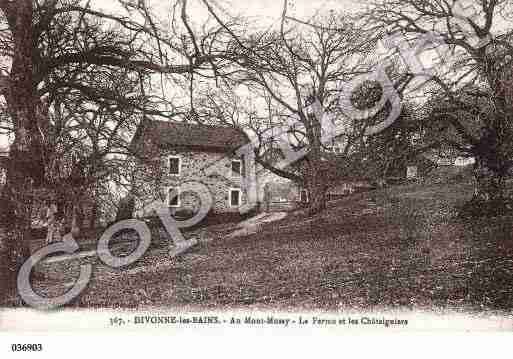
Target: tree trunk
[
  {"x": 93, "y": 217},
  {"x": 317, "y": 200},
  {"x": 25, "y": 170},
  {"x": 490, "y": 170},
  {"x": 489, "y": 185},
  {"x": 317, "y": 188},
  {"x": 76, "y": 221}
]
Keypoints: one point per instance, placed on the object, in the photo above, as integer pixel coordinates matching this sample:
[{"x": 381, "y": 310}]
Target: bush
[
  {"x": 126, "y": 208},
  {"x": 476, "y": 208}
]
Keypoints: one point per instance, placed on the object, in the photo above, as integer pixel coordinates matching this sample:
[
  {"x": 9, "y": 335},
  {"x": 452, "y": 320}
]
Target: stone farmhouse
[{"x": 187, "y": 153}]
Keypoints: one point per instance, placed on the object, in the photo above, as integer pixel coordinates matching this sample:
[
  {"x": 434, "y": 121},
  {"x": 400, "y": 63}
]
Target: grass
[{"x": 403, "y": 247}]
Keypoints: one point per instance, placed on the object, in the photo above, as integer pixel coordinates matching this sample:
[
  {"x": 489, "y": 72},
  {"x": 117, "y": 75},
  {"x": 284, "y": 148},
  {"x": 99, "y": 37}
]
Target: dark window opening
[
  {"x": 236, "y": 168},
  {"x": 303, "y": 196},
  {"x": 174, "y": 165},
  {"x": 234, "y": 197}
]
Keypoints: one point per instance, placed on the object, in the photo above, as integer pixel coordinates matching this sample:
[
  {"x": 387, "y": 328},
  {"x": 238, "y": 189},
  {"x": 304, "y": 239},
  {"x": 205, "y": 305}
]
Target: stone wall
[{"x": 212, "y": 169}]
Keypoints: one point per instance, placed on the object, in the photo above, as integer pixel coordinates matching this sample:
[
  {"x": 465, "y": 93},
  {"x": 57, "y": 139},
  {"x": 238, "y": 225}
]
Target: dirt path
[{"x": 254, "y": 224}]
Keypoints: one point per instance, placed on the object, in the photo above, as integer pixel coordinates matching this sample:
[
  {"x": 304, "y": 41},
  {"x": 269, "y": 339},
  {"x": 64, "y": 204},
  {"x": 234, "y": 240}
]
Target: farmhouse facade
[{"x": 188, "y": 154}]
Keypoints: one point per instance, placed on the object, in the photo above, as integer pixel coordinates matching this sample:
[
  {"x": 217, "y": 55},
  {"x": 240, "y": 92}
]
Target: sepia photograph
[{"x": 296, "y": 165}]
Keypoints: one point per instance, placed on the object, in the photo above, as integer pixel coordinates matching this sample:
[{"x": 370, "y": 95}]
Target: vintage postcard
[{"x": 329, "y": 166}]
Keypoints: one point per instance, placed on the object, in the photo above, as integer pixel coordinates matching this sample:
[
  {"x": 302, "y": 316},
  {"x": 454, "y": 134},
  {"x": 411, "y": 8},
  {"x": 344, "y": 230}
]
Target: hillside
[{"x": 403, "y": 247}]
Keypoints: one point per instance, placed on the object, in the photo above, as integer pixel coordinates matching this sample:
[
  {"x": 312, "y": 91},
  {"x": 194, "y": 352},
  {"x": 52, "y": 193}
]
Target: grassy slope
[{"x": 388, "y": 249}]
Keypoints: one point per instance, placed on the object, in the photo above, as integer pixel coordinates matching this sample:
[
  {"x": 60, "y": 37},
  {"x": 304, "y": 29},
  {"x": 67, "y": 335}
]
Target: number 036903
[{"x": 26, "y": 347}]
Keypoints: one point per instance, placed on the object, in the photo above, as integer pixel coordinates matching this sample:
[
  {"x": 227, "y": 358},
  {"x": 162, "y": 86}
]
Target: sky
[
  {"x": 266, "y": 11},
  {"x": 303, "y": 9}
]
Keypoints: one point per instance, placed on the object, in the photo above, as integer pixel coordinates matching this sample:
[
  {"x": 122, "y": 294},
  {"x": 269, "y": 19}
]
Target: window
[
  {"x": 303, "y": 196},
  {"x": 235, "y": 197},
  {"x": 173, "y": 196},
  {"x": 175, "y": 165},
  {"x": 236, "y": 168}
]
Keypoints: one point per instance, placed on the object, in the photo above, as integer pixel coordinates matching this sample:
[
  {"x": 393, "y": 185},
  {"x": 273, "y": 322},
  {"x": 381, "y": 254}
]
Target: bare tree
[
  {"x": 473, "y": 74},
  {"x": 295, "y": 78},
  {"x": 60, "y": 53}
]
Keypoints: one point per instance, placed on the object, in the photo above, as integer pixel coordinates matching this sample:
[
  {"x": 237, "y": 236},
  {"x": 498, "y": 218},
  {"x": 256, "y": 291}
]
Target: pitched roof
[{"x": 174, "y": 134}]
